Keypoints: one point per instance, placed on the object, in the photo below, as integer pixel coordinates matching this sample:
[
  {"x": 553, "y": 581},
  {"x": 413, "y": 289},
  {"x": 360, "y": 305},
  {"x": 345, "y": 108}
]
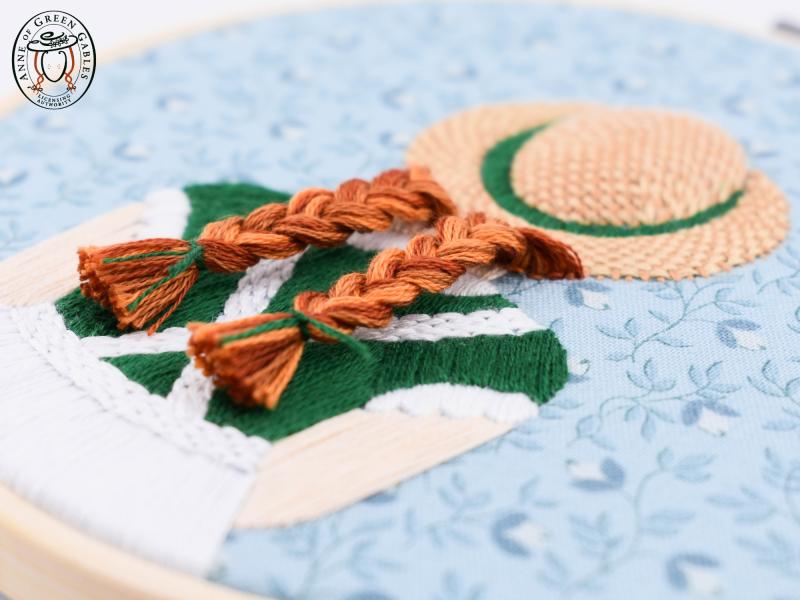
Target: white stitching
[
  {"x": 456, "y": 401},
  {"x": 506, "y": 321},
  {"x": 44, "y": 330}
]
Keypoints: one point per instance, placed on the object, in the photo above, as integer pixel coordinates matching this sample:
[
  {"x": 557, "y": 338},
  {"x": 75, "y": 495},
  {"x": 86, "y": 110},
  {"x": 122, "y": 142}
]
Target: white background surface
[{"x": 114, "y": 26}]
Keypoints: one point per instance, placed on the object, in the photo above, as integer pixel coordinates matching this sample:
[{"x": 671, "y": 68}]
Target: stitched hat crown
[{"x": 628, "y": 167}]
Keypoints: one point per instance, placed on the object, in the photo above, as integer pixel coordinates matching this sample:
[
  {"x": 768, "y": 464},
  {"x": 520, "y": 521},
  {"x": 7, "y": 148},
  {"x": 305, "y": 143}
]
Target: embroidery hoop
[{"x": 28, "y": 534}]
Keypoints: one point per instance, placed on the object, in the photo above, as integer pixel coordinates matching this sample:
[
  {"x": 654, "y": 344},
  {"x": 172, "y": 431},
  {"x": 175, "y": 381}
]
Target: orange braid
[
  {"x": 68, "y": 76},
  {"x": 256, "y": 357},
  {"x": 143, "y": 282},
  {"x": 37, "y": 87}
]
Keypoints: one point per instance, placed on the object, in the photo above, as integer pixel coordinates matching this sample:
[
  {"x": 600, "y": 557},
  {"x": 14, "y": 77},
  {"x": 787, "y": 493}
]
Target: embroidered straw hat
[{"x": 637, "y": 192}]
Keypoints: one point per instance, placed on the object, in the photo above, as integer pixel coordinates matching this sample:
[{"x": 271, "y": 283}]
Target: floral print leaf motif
[
  {"x": 648, "y": 379},
  {"x": 783, "y": 425},
  {"x": 795, "y": 326},
  {"x": 700, "y": 400},
  {"x": 740, "y": 333},
  {"x": 788, "y": 282},
  {"x": 455, "y": 586},
  {"x": 611, "y": 539},
  {"x": 692, "y": 468},
  {"x": 659, "y": 315},
  {"x": 595, "y": 536},
  {"x": 588, "y": 293},
  {"x": 724, "y": 302},
  {"x": 596, "y": 477},
  {"x": 671, "y": 341},
  {"x": 370, "y": 595},
  {"x": 695, "y": 573},
  {"x": 516, "y": 534},
  {"x": 691, "y": 304},
  {"x": 614, "y": 333},
  {"x": 773, "y": 510},
  {"x": 750, "y": 506},
  {"x": 769, "y": 383},
  {"x": 666, "y": 522},
  {"x": 709, "y": 415},
  {"x": 774, "y": 550}
]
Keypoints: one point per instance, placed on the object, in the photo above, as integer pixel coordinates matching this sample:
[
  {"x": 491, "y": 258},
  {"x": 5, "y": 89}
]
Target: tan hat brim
[{"x": 454, "y": 150}]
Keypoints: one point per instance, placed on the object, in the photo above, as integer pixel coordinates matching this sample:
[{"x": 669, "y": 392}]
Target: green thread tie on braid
[
  {"x": 132, "y": 257},
  {"x": 193, "y": 256},
  {"x": 302, "y": 321},
  {"x": 496, "y": 176}
]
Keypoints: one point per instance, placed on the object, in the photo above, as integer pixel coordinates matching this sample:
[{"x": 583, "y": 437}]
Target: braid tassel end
[{"x": 141, "y": 282}]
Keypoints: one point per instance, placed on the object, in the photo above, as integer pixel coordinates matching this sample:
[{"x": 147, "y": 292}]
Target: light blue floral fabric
[{"x": 669, "y": 467}]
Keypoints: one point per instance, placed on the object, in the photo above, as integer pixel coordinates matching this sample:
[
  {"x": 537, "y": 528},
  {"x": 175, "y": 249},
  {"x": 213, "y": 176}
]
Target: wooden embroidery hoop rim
[{"x": 40, "y": 556}]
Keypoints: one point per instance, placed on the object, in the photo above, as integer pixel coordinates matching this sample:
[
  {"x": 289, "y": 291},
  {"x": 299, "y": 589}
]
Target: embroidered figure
[{"x": 463, "y": 350}]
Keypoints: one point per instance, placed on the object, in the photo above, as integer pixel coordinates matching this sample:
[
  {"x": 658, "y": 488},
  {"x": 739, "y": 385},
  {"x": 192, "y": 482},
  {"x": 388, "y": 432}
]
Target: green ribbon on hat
[{"x": 496, "y": 175}]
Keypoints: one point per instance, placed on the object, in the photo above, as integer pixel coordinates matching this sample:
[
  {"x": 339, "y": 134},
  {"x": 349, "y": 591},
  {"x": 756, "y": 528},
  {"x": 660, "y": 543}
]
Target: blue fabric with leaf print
[{"x": 669, "y": 467}]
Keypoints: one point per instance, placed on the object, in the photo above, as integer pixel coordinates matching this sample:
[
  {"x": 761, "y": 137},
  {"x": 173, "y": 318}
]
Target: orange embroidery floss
[
  {"x": 255, "y": 358},
  {"x": 143, "y": 282}
]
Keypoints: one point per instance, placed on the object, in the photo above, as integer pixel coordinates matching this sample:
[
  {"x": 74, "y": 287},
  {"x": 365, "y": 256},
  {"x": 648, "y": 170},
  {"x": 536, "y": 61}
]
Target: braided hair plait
[
  {"x": 255, "y": 358},
  {"x": 143, "y": 282}
]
